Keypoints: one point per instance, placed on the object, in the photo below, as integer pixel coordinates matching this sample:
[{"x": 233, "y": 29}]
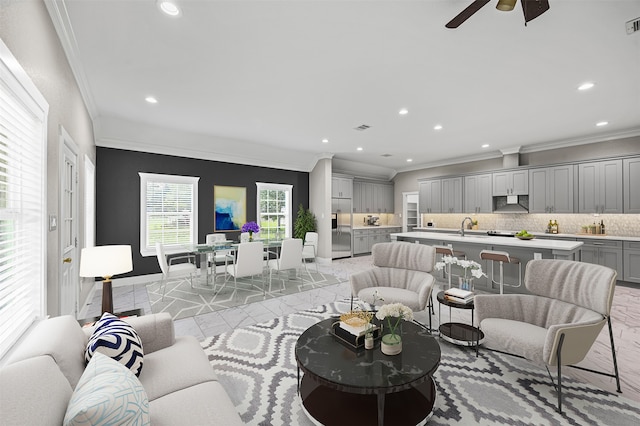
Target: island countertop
[{"x": 556, "y": 246}]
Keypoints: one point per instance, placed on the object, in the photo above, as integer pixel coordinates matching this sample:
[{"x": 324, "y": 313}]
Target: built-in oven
[{"x": 334, "y": 220}]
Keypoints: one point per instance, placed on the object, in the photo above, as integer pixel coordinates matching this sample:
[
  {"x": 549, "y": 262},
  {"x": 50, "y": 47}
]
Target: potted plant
[
  {"x": 471, "y": 270},
  {"x": 305, "y": 222},
  {"x": 391, "y": 342}
]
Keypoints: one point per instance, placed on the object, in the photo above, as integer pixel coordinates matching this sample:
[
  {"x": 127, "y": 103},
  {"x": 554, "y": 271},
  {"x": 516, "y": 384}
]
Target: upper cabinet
[
  {"x": 341, "y": 187},
  {"x": 430, "y": 196},
  {"x": 477, "y": 194},
  {"x": 371, "y": 197},
  {"x": 551, "y": 189},
  {"x": 600, "y": 187},
  {"x": 631, "y": 184},
  {"x": 451, "y": 195},
  {"x": 511, "y": 183}
]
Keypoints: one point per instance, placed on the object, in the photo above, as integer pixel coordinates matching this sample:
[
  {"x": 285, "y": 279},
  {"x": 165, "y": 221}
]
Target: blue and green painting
[{"x": 230, "y": 207}]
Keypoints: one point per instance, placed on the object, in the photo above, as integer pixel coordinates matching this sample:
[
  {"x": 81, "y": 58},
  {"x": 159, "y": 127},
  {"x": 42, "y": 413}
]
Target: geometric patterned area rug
[
  {"x": 256, "y": 365},
  {"x": 182, "y": 301}
]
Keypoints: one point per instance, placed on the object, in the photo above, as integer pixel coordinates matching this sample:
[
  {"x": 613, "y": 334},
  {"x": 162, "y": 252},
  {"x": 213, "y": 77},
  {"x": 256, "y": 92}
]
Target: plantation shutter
[{"x": 23, "y": 126}]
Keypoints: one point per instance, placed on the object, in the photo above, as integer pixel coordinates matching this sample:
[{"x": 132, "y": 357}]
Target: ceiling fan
[{"x": 531, "y": 9}]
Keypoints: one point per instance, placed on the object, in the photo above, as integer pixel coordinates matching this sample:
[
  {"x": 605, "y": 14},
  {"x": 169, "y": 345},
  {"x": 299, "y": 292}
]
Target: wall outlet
[{"x": 537, "y": 256}]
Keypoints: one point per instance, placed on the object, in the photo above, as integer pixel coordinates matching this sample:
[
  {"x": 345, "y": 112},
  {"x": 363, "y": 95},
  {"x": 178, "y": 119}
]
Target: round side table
[{"x": 456, "y": 332}]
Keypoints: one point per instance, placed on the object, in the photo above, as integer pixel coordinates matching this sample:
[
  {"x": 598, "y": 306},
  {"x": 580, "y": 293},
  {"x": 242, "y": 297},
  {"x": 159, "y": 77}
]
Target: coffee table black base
[
  {"x": 461, "y": 334},
  {"x": 328, "y": 406}
]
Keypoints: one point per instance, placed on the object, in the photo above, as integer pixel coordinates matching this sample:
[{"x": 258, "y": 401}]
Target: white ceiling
[{"x": 263, "y": 82}]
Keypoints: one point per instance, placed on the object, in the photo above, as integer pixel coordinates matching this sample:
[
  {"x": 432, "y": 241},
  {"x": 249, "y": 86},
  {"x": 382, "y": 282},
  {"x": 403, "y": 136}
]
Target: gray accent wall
[{"x": 118, "y": 194}]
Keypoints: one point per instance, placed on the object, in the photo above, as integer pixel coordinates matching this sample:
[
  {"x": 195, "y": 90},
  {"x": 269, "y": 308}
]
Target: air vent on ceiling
[
  {"x": 362, "y": 127},
  {"x": 633, "y": 26},
  {"x": 385, "y": 155}
]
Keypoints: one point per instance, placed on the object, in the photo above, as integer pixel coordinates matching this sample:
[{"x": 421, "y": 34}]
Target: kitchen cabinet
[
  {"x": 600, "y": 187},
  {"x": 451, "y": 195},
  {"x": 370, "y": 197},
  {"x": 602, "y": 252},
  {"x": 631, "y": 184},
  {"x": 631, "y": 250},
  {"x": 477, "y": 194},
  {"x": 551, "y": 189},
  {"x": 341, "y": 187},
  {"x": 430, "y": 196},
  {"x": 515, "y": 182},
  {"x": 365, "y": 239}
]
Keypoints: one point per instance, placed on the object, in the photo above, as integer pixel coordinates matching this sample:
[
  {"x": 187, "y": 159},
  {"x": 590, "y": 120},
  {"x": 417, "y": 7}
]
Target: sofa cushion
[
  {"x": 514, "y": 337},
  {"x": 392, "y": 295},
  {"x": 208, "y": 404},
  {"x": 116, "y": 339},
  {"x": 33, "y": 392},
  {"x": 62, "y": 339},
  {"x": 108, "y": 393},
  {"x": 177, "y": 367}
]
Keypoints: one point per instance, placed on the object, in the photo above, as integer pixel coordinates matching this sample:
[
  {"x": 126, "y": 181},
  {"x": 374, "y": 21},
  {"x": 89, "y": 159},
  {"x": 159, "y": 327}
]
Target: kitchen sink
[{"x": 468, "y": 236}]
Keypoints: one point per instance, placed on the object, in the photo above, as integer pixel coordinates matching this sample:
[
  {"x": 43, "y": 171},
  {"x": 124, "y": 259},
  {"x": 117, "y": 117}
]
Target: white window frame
[
  {"x": 24, "y": 265},
  {"x": 171, "y": 179},
  {"x": 261, "y": 186}
]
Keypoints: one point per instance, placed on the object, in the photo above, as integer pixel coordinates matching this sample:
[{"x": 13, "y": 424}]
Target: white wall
[
  {"x": 26, "y": 28},
  {"x": 320, "y": 205}
]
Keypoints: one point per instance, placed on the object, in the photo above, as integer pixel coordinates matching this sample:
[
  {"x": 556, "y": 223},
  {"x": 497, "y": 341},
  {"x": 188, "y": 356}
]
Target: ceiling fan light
[{"x": 506, "y": 5}]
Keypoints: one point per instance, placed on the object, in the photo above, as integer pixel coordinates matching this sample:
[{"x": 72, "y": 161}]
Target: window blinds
[{"x": 22, "y": 201}]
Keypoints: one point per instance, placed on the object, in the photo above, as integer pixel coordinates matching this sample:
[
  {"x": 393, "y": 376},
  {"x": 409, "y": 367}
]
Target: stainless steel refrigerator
[{"x": 340, "y": 228}]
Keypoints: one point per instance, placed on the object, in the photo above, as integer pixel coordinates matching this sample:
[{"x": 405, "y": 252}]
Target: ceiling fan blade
[
  {"x": 467, "y": 13},
  {"x": 533, "y": 8}
]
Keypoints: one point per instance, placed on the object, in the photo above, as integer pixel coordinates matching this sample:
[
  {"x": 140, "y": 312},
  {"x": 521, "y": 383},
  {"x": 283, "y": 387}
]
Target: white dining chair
[
  {"x": 176, "y": 267},
  {"x": 290, "y": 258},
  {"x": 218, "y": 256},
  {"x": 310, "y": 248},
  {"x": 248, "y": 262}
]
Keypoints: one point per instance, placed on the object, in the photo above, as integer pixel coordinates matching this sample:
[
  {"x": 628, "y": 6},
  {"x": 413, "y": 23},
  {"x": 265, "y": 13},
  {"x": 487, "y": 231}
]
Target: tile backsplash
[{"x": 627, "y": 225}]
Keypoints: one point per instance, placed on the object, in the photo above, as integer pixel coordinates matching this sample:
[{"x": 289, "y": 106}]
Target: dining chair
[
  {"x": 248, "y": 262},
  {"x": 310, "y": 249},
  {"x": 218, "y": 256},
  {"x": 176, "y": 267},
  {"x": 290, "y": 258}
]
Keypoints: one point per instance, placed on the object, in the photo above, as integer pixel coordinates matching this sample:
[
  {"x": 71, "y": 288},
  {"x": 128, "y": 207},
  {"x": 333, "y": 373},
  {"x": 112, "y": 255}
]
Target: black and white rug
[
  {"x": 257, "y": 367},
  {"x": 182, "y": 301}
]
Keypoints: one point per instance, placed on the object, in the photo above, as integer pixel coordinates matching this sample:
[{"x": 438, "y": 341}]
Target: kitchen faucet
[{"x": 462, "y": 226}]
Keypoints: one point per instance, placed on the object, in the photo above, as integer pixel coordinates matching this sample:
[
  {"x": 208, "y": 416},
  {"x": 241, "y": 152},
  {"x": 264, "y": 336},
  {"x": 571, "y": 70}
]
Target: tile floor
[{"x": 625, "y": 319}]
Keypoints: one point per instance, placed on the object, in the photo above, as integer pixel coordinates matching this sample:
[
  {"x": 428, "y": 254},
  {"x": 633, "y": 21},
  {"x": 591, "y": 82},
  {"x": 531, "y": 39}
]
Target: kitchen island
[{"x": 473, "y": 243}]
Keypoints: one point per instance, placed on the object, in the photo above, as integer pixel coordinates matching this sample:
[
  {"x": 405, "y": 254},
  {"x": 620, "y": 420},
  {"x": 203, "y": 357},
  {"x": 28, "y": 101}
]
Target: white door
[{"x": 68, "y": 225}]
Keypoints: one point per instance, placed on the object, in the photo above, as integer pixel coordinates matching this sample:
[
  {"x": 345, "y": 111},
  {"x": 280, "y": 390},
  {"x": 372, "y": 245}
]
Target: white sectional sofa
[{"x": 182, "y": 389}]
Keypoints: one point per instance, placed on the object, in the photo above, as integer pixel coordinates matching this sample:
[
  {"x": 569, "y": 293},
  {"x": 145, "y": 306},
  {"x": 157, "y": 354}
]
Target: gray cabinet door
[
  {"x": 612, "y": 258},
  {"x": 560, "y": 189},
  {"x": 631, "y": 262},
  {"x": 511, "y": 183},
  {"x": 484, "y": 200},
  {"x": 357, "y": 197},
  {"x": 501, "y": 184},
  {"x": 631, "y": 184},
  {"x": 538, "y": 184},
  {"x": 430, "y": 196},
  {"x": 600, "y": 187},
  {"x": 452, "y": 195}
]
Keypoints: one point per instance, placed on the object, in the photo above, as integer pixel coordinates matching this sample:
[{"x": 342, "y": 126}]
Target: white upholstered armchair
[
  {"x": 400, "y": 274},
  {"x": 558, "y": 322}
]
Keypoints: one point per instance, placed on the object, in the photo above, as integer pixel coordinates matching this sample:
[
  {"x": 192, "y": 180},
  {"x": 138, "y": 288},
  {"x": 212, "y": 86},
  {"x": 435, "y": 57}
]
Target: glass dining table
[{"x": 227, "y": 248}]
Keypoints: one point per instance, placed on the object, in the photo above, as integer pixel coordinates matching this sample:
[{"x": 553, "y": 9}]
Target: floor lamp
[{"x": 105, "y": 262}]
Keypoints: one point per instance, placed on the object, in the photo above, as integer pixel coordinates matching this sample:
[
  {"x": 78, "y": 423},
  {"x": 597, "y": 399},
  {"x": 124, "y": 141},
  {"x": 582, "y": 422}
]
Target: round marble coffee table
[{"x": 342, "y": 385}]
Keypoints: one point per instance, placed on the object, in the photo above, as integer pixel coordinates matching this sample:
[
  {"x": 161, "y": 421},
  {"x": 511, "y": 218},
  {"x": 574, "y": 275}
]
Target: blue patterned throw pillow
[
  {"x": 107, "y": 394},
  {"x": 118, "y": 340}
]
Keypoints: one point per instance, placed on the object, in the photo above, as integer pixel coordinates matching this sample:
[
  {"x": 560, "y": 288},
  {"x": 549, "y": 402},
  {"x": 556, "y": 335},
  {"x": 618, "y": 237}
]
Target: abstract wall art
[{"x": 230, "y": 204}]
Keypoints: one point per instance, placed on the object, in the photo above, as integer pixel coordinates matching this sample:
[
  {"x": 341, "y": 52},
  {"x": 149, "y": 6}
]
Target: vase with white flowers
[
  {"x": 393, "y": 313},
  {"x": 471, "y": 270}
]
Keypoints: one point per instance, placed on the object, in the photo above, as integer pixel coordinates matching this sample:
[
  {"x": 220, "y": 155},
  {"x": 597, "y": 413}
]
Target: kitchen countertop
[
  {"x": 480, "y": 238},
  {"x": 359, "y": 227},
  {"x": 537, "y": 234}
]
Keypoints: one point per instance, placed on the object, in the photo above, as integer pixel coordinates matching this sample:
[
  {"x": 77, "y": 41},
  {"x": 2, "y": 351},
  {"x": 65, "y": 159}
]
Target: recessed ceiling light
[
  {"x": 486, "y": 145},
  {"x": 325, "y": 140},
  {"x": 586, "y": 86},
  {"x": 409, "y": 160},
  {"x": 151, "y": 100},
  {"x": 169, "y": 7},
  {"x": 403, "y": 111},
  {"x": 437, "y": 127},
  {"x": 359, "y": 148},
  {"x": 602, "y": 123}
]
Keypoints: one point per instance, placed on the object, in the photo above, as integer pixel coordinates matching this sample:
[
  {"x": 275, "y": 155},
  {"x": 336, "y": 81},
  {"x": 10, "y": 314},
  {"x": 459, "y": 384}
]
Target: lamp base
[{"x": 107, "y": 296}]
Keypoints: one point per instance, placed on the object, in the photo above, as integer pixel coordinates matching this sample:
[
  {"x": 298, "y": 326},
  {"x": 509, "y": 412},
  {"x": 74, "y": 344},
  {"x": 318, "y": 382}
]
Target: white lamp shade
[{"x": 105, "y": 261}]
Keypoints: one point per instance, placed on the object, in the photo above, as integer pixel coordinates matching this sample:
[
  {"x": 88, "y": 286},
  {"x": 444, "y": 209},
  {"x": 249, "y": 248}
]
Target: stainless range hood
[{"x": 511, "y": 204}]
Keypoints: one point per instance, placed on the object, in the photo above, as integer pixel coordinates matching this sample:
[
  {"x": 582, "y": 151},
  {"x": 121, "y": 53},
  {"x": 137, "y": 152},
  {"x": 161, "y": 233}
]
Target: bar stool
[
  {"x": 502, "y": 257},
  {"x": 449, "y": 251}
]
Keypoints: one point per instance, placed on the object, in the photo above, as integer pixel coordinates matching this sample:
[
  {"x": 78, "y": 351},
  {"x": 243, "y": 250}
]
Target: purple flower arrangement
[{"x": 250, "y": 227}]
